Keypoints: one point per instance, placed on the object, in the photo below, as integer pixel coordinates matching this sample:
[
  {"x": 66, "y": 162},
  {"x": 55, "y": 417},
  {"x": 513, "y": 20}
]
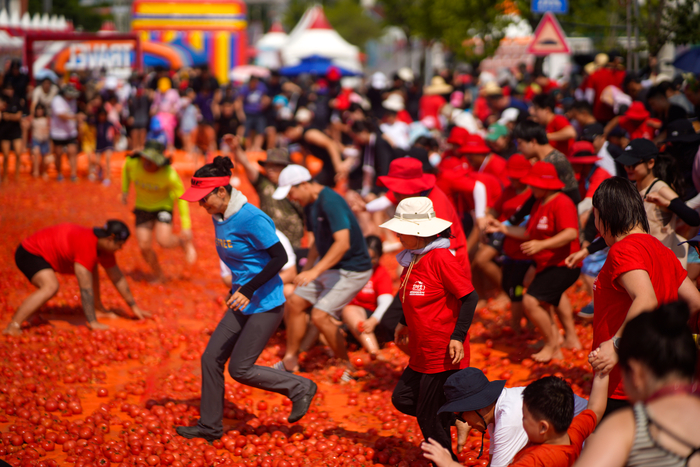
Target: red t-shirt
[
  {"x": 612, "y": 302},
  {"x": 509, "y": 202},
  {"x": 496, "y": 165},
  {"x": 63, "y": 245},
  {"x": 459, "y": 184},
  {"x": 638, "y": 128},
  {"x": 599, "y": 80},
  {"x": 551, "y": 455},
  {"x": 404, "y": 116},
  {"x": 546, "y": 221},
  {"x": 379, "y": 284},
  {"x": 481, "y": 109},
  {"x": 507, "y": 205},
  {"x": 429, "y": 106},
  {"x": 431, "y": 304},
  {"x": 559, "y": 122},
  {"x": 594, "y": 182}
]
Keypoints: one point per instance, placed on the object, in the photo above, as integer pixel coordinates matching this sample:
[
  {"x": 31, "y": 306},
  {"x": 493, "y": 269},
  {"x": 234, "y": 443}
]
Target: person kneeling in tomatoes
[{"x": 72, "y": 249}]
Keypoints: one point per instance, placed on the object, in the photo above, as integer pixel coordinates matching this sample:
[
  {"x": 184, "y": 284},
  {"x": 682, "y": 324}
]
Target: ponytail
[{"x": 220, "y": 167}]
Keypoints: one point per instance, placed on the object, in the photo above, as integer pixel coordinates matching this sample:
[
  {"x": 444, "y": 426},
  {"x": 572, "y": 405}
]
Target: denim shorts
[
  {"x": 42, "y": 145},
  {"x": 256, "y": 123},
  {"x": 594, "y": 263},
  {"x": 693, "y": 257}
]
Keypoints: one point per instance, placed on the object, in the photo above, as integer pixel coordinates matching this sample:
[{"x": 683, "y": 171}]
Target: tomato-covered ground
[{"x": 72, "y": 396}]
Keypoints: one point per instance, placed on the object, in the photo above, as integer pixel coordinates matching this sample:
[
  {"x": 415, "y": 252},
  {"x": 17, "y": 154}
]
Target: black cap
[
  {"x": 115, "y": 228},
  {"x": 592, "y": 131},
  {"x": 638, "y": 150},
  {"x": 618, "y": 132},
  {"x": 681, "y": 131}
]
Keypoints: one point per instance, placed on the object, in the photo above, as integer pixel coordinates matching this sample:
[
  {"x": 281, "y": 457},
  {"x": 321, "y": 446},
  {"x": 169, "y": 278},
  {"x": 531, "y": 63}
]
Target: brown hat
[{"x": 277, "y": 156}]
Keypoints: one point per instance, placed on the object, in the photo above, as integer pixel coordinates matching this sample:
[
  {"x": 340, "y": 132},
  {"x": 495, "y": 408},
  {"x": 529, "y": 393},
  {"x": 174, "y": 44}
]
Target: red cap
[
  {"x": 637, "y": 111},
  {"x": 458, "y": 135},
  {"x": 583, "y": 152},
  {"x": 517, "y": 166},
  {"x": 474, "y": 144},
  {"x": 201, "y": 187},
  {"x": 543, "y": 175},
  {"x": 406, "y": 177}
]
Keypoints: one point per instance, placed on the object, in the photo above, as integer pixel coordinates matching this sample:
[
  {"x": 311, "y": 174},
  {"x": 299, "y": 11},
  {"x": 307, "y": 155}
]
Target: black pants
[
  {"x": 421, "y": 395},
  {"x": 242, "y": 338}
]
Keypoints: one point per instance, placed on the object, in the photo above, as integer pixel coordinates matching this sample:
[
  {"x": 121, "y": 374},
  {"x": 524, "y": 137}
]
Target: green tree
[
  {"x": 83, "y": 17},
  {"x": 348, "y": 17},
  {"x": 452, "y": 22},
  {"x": 685, "y": 18}
]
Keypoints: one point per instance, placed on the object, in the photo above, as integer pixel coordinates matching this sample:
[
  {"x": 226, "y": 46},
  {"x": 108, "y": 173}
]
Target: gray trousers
[{"x": 242, "y": 338}]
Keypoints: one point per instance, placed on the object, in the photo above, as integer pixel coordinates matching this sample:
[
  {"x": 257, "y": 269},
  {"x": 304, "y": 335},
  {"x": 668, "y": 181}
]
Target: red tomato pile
[{"x": 71, "y": 396}]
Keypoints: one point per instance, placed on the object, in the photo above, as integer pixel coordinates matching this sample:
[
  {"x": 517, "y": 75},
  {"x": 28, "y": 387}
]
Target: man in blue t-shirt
[{"x": 337, "y": 268}]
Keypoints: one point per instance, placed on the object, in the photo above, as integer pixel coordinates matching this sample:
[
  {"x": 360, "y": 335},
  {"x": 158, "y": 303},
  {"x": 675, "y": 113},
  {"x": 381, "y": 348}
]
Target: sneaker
[
  {"x": 586, "y": 312},
  {"x": 59, "y": 178},
  {"x": 74, "y": 179},
  {"x": 106, "y": 182},
  {"x": 92, "y": 177}
]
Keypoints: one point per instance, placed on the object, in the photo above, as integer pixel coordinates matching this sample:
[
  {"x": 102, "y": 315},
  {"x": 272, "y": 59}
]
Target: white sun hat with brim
[
  {"x": 416, "y": 216},
  {"x": 394, "y": 103}
]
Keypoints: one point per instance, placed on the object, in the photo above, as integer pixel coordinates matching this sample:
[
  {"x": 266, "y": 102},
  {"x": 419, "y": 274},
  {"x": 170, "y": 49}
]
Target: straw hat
[
  {"x": 406, "y": 74},
  {"x": 416, "y": 216},
  {"x": 601, "y": 60},
  {"x": 437, "y": 86},
  {"x": 492, "y": 89}
]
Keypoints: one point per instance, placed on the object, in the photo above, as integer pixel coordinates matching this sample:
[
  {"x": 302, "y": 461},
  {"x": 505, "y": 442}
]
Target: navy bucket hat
[{"x": 469, "y": 389}]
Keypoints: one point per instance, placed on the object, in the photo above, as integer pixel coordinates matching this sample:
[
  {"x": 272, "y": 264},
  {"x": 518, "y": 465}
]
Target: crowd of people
[{"x": 505, "y": 187}]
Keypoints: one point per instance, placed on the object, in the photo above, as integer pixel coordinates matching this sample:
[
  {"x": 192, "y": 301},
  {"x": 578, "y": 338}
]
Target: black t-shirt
[
  {"x": 12, "y": 106},
  {"x": 226, "y": 125},
  {"x": 329, "y": 214},
  {"x": 675, "y": 112},
  {"x": 378, "y": 157}
]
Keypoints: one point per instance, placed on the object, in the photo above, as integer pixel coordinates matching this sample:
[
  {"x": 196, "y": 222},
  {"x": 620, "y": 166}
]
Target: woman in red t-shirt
[
  {"x": 72, "y": 249},
  {"x": 550, "y": 236},
  {"x": 639, "y": 274},
  {"x": 438, "y": 302},
  {"x": 365, "y": 311}
]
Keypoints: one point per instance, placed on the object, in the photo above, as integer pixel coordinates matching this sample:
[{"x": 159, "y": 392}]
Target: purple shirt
[{"x": 252, "y": 98}]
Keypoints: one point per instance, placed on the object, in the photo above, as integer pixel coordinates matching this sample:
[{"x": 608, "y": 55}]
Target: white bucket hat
[
  {"x": 394, "y": 103},
  {"x": 416, "y": 216}
]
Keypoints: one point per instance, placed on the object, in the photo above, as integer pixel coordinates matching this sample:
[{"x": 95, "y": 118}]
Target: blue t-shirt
[
  {"x": 242, "y": 241},
  {"x": 329, "y": 214}
]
